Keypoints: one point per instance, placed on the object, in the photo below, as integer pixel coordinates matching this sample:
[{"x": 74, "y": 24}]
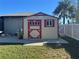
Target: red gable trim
[{"x": 42, "y": 14}]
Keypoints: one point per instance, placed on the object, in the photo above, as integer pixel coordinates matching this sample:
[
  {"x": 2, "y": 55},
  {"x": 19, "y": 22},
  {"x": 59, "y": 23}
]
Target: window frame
[
  {"x": 34, "y": 22},
  {"x": 49, "y": 23}
]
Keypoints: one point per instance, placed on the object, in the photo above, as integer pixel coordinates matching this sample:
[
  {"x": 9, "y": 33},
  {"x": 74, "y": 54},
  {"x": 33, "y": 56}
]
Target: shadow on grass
[
  {"x": 72, "y": 48},
  {"x": 54, "y": 45}
]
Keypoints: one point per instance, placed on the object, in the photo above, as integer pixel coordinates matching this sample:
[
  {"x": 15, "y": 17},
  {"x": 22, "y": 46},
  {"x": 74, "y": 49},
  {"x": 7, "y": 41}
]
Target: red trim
[
  {"x": 41, "y": 14},
  {"x": 40, "y": 29},
  {"x": 48, "y": 20},
  {"x": 30, "y": 30}
]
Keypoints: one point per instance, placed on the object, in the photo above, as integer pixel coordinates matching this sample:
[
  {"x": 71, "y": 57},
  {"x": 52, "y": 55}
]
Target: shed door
[{"x": 34, "y": 29}]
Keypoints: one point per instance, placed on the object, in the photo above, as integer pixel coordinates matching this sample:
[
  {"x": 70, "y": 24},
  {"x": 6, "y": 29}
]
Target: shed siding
[
  {"x": 47, "y": 32},
  {"x": 12, "y": 24}
]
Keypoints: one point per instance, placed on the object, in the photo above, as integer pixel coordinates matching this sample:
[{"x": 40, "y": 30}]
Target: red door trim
[
  {"x": 28, "y": 29},
  {"x": 39, "y": 30}
]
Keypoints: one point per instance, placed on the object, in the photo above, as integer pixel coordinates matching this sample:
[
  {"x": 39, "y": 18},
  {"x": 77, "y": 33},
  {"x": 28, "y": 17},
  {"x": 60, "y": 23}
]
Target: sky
[{"x": 34, "y": 6}]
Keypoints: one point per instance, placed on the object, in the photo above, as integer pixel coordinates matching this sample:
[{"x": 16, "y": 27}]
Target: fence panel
[
  {"x": 68, "y": 30},
  {"x": 71, "y": 30},
  {"x": 61, "y": 30},
  {"x": 76, "y": 31}
]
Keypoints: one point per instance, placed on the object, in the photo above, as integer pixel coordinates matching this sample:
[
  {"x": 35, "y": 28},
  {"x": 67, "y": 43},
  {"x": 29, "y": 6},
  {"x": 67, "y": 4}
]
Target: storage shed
[
  {"x": 35, "y": 26},
  {"x": 40, "y": 25}
]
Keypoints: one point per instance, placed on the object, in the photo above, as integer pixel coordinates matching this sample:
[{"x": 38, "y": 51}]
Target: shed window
[
  {"x": 34, "y": 22},
  {"x": 49, "y": 23}
]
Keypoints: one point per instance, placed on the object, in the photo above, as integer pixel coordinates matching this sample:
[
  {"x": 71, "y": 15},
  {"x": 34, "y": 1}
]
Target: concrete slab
[{"x": 32, "y": 42}]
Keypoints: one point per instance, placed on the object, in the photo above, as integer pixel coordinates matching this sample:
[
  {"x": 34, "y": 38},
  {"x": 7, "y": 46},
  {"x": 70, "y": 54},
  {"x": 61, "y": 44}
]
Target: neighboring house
[{"x": 39, "y": 25}]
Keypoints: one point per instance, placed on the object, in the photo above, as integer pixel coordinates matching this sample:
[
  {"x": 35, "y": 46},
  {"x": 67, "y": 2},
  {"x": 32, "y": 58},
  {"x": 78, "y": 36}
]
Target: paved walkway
[{"x": 26, "y": 41}]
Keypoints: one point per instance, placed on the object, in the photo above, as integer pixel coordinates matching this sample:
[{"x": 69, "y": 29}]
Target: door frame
[{"x": 30, "y": 30}]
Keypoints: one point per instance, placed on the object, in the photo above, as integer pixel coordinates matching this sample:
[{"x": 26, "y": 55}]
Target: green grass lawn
[{"x": 32, "y": 52}]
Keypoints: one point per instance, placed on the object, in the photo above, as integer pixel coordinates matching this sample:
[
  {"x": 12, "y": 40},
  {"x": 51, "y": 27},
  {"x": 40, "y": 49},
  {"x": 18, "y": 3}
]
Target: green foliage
[
  {"x": 64, "y": 10},
  {"x": 77, "y": 16}
]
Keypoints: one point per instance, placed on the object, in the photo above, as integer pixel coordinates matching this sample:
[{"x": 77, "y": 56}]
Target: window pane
[
  {"x": 36, "y": 23},
  {"x": 30, "y": 22},
  {"x": 49, "y": 23},
  {"x": 44, "y": 23}
]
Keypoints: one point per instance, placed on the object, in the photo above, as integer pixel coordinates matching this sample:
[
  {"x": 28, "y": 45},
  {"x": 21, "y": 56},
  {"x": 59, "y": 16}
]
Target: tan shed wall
[
  {"x": 47, "y": 32},
  {"x": 25, "y": 28}
]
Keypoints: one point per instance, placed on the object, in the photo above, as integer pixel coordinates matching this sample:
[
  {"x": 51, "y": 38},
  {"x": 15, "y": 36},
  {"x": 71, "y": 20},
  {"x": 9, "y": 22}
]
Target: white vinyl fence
[
  {"x": 71, "y": 30},
  {"x": 62, "y": 30}
]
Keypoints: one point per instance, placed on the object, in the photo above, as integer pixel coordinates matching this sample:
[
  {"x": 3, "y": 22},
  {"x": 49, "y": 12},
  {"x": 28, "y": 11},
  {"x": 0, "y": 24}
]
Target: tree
[
  {"x": 77, "y": 16},
  {"x": 64, "y": 10},
  {"x": 77, "y": 12}
]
